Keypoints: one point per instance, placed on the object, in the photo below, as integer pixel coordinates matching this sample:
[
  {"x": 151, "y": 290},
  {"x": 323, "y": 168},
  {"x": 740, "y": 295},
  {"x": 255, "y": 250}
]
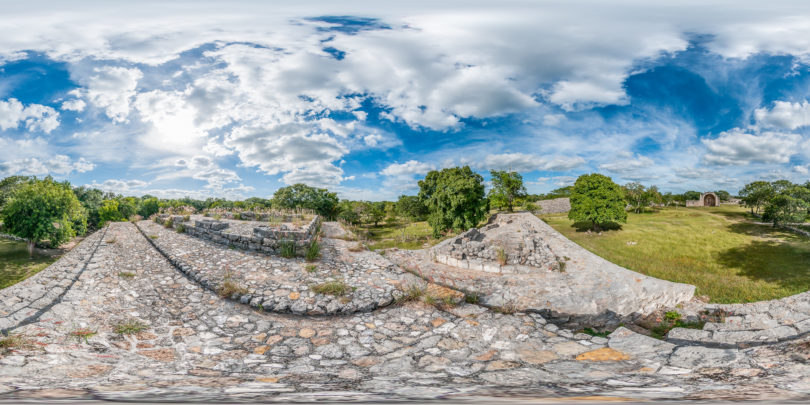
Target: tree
[
  {"x": 756, "y": 194},
  {"x": 91, "y": 199},
  {"x": 723, "y": 195},
  {"x": 109, "y": 212},
  {"x": 9, "y": 185},
  {"x": 412, "y": 207},
  {"x": 691, "y": 195},
  {"x": 636, "y": 195},
  {"x": 149, "y": 206},
  {"x": 301, "y": 195},
  {"x": 127, "y": 207},
  {"x": 598, "y": 200},
  {"x": 506, "y": 188},
  {"x": 455, "y": 198},
  {"x": 790, "y": 205},
  {"x": 44, "y": 210}
]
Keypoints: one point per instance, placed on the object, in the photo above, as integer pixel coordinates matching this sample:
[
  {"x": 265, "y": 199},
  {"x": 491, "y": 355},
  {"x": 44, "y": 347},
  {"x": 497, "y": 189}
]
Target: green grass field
[
  {"x": 718, "y": 249},
  {"x": 413, "y": 235},
  {"x": 15, "y": 265}
]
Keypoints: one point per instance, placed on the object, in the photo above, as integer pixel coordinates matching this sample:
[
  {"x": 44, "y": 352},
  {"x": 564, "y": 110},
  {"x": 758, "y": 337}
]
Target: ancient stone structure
[
  {"x": 248, "y": 235},
  {"x": 498, "y": 249},
  {"x": 554, "y": 206},
  {"x": 706, "y": 200},
  {"x": 192, "y": 345}
]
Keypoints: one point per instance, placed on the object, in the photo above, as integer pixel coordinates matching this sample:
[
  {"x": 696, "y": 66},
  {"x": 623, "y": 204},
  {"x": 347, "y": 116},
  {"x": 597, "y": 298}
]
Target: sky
[{"x": 237, "y": 99}]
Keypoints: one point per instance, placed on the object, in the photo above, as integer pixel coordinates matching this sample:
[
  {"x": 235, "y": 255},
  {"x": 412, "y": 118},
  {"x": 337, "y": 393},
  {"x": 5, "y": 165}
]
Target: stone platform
[
  {"x": 569, "y": 282},
  {"x": 196, "y": 346}
]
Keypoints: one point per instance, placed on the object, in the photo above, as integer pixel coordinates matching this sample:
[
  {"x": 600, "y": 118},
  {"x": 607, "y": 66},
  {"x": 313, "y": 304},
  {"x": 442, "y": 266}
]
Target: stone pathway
[
  {"x": 197, "y": 346},
  {"x": 284, "y": 285}
]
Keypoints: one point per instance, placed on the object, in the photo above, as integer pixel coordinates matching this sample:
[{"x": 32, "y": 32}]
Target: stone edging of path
[
  {"x": 295, "y": 302},
  {"x": 30, "y": 298}
]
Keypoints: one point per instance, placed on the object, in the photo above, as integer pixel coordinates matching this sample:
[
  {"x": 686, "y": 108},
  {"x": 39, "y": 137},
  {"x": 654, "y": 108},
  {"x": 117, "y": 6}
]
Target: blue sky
[{"x": 235, "y": 100}]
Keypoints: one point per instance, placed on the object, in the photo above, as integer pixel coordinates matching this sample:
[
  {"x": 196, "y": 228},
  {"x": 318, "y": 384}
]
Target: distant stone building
[{"x": 706, "y": 200}]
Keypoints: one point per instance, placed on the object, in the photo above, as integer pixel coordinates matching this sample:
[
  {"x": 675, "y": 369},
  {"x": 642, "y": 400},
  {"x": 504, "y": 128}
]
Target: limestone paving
[
  {"x": 197, "y": 346},
  {"x": 276, "y": 284}
]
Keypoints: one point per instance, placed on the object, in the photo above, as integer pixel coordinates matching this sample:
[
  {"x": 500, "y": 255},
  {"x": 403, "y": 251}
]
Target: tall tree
[
  {"x": 789, "y": 205},
  {"x": 44, "y": 210},
  {"x": 412, "y": 208},
  {"x": 506, "y": 188},
  {"x": 301, "y": 195},
  {"x": 598, "y": 200},
  {"x": 455, "y": 198},
  {"x": 754, "y": 195}
]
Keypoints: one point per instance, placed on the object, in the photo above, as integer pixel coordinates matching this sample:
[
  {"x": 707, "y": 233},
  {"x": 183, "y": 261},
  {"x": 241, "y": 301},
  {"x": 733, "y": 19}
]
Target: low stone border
[
  {"x": 12, "y": 237},
  {"x": 275, "y": 284},
  {"x": 25, "y": 301}
]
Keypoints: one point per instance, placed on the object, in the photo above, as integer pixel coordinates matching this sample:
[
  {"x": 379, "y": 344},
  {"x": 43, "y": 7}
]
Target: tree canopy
[
  {"x": 506, "y": 188},
  {"x": 598, "y": 200},
  {"x": 455, "y": 198},
  {"x": 754, "y": 195},
  {"x": 301, "y": 195},
  {"x": 44, "y": 210}
]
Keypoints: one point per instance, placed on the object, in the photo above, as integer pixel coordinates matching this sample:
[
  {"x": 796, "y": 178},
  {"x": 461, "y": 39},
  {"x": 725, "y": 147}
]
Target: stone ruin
[
  {"x": 499, "y": 247},
  {"x": 263, "y": 238}
]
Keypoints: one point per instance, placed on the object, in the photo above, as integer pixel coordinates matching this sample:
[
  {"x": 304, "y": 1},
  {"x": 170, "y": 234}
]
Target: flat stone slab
[
  {"x": 587, "y": 286},
  {"x": 286, "y": 285}
]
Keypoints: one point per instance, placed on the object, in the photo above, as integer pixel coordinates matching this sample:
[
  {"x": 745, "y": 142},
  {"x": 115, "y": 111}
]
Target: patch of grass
[
  {"x": 311, "y": 268},
  {"x": 286, "y": 249},
  {"x": 181, "y": 228},
  {"x": 126, "y": 274},
  {"x": 501, "y": 256},
  {"x": 357, "y": 248},
  {"x": 402, "y": 235},
  {"x": 168, "y": 223},
  {"x": 15, "y": 266},
  {"x": 336, "y": 288},
  {"x": 412, "y": 293},
  {"x": 186, "y": 218},
  {"x": 229, "y": 288},
  {"x": 153, "y": 236},
  {"x": 594, "y": 332},
  {"x": 718, "y": 249},
  {"x": 313, "y": 250},
  {"x": 130, "y": 327},
  {"x": 11, "y": 342},
  {"x": 507, "y": 308},
  {"x": 83, "y": 334},
  {"x": 472, "y": 298}
]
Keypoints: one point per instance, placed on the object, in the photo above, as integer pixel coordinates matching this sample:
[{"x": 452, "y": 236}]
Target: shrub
[
  {"x": 286, "y": 248},
  {"x": 169, "y": 223},
  {"x": 181, "y": 228},
  {"x": 598, "y": 200},
  {"x": 313, "y": 250},
  {"x": 229, "y": 289}
]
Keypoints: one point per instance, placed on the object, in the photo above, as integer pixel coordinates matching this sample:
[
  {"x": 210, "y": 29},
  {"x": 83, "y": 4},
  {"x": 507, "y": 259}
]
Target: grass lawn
[
  {"x": 411, "y": 235},
  {"x": 15, "y": 265},
  {"x": 717, "y": 249}
]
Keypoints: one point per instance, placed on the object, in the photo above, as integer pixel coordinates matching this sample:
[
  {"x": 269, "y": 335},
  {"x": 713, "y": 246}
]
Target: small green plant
[
  {"x": 507, "y": 308},
  {"x": 562, "y": 265},
  {"x": 181, "y": 228},
  {"x": 430, "y": 300},
  {"x": 83, "y": 334},
  {"x": 594, "y": 332},
  {"x": 447, "y": 302},
  {"x": 217, "y": 217},
  {"x": 412, "y": 293},
  {"x": 472, "y": 298},
  {"x": 126, "y": 274},
  {"x": 286, "y": 249},
  {"x": 237, "y": 216},
  {"x": 502, "y": 257},
  {"x": 130, "y": 327},
  {"x": 671, "y": 320},
  {"x": 169, "y": 223},
  {"x": 672, "y": 315},
  {"x": 153, "y": 236},
  {"x": 229, "y": 288},
  {"x": 12, "y": 341},
  {"x": 313, "y": 250},
  {"x": 336, "y": 288},
  {"x": 311, "y": 268},
  {"x": 186, "y": 218}
]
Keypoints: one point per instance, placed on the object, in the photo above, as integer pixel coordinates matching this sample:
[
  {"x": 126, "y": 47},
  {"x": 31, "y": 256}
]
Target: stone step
[{"x": 737, "y": 337}]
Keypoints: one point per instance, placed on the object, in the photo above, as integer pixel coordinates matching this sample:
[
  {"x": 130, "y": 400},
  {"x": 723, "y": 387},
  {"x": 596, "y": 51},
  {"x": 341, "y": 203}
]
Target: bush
[
  {"x": 598, "y": 200},
  {"x": 286, "y": 249}
]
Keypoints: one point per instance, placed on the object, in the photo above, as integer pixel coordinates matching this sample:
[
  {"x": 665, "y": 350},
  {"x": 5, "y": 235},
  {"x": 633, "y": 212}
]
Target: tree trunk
[{"x": 31, "y": 250}]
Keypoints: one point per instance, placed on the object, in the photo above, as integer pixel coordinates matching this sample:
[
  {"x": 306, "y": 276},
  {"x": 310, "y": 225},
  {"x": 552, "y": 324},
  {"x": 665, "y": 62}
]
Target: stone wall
[
  {"x": 554, "y": 206},
  {"x": 264, "y": 238}
]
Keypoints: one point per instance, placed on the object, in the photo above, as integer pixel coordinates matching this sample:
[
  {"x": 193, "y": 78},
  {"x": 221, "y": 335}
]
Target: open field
[
  {"x": 717, "y": 249},
  {"x": 15, "y": 265},
  {"x": 413, "y": 235}
]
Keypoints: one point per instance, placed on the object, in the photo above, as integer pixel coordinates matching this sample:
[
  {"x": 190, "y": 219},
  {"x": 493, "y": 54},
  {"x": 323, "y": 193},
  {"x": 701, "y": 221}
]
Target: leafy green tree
[
  {"x": 636, "y": 195},
  {"x": 149, "y": 206},
  {"x": 723, "y": 195},
  {"x": 691, "y": 195},
  {"x": 506, "y": 188},
  {"x": 301, "y": 195},
  {"x": 598, "y": 200},
  {"x": 559, "y": 192},
  {"x": 9, "y": 185},
  {"x": 127, "y": 207},
  {"x": 411, "y": 207},
  {"x": 376, "y": 212},
  {"x": 455, "y": 198},
  {"x": 91, "y": 199},
  {"x": 109, "y": 212},
  {"x": 790, "y": 205},
  {"x": 754, "y": 195},
  {"x": 43, "y": 210}
]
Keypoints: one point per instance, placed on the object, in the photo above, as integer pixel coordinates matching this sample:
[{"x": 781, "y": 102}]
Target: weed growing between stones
[
  {"x": 11, "y": 342},
  {"x": 186, "y": 218},
  {"x": 169, "y": 223},
  {"x": 412, "y": 293},
  {"x": 311, "y": 268},
  {"x": 153, "y": 236},
  {"x": 502, "y": 258},
  {"x": 83, "y": 334},
  {"x": 594, "y": 332},
  {"x": 507, "y": 308},
  {"x": 181, "y": 228},
  {"x": 130, "y": 327},
  {"x": 126, "y": 274},
  {"x": 229, "y": 289},
  {"x": 313, "y": 250},
  {"x": 286, "y": 249},
  {"x": 472, "y": 298},
  {"x": 336, "y": 288},
  {"x": 671, "y": 320}
]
